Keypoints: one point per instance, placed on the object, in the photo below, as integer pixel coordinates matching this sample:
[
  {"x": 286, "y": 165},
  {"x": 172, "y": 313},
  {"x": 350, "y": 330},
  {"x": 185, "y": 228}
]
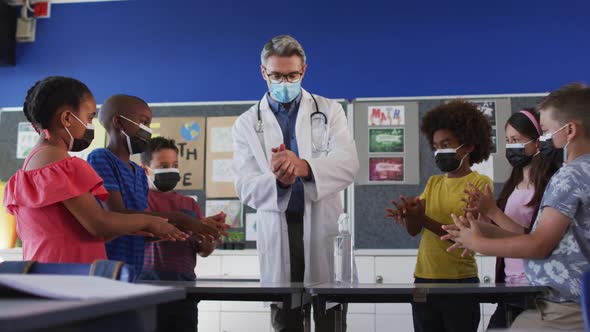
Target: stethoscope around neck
[{"x": 259, "y": 126}]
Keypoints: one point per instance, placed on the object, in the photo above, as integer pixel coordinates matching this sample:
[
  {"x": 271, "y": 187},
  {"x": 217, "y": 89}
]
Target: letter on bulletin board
[
  {"x": 189, "y": 134},
  {"x": 219, "y": 177}
]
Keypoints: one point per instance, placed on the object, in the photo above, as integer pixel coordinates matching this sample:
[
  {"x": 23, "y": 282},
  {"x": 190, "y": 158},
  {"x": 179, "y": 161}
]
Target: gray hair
[{"x": 284, "y": 45}]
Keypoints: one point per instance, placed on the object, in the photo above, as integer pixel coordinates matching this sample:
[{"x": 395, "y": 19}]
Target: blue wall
[{"x": 195, "y": 50}]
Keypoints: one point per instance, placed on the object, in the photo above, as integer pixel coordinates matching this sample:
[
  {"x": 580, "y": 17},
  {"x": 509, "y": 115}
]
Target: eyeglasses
[{"x": 292, "y": 77}]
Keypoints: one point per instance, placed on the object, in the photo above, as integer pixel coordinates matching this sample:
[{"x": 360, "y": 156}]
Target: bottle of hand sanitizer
[{"x": 343, "y": 255}]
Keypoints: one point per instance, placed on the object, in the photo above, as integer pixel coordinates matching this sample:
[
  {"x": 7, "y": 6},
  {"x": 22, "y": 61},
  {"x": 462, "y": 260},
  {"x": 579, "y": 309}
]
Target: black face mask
[
  {"x": 517, "y": 158},
  {"x": 446, "y": 160},
  {"x": 84, "y": 143},
  {"x": 79, "y": 144},
  {"x": 547, "y": 148},
  {"x": 137, "y": 143},
  {"x": 165, "y": 179},
  {"x": 516, "y": 155}
]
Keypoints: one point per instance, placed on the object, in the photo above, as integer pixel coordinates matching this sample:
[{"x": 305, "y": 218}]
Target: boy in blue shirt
[{"x": 127, "y": 119}]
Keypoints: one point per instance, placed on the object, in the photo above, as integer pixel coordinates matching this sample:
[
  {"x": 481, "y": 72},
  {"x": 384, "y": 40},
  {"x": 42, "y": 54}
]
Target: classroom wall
[{"x": 186, "y": 50}]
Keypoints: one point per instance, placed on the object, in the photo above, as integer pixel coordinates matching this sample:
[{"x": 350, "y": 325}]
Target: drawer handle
[
  {"x": 487, "y": 279},
  {"x": 379, "y": 279}
]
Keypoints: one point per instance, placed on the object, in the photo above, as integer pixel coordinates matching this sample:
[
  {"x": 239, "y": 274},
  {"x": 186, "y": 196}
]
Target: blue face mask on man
[{"x": 285, "y": 92}]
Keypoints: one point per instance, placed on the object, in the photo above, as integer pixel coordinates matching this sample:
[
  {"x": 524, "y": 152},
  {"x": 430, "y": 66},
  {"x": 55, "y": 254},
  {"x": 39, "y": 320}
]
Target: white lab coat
[{"x": 256, "y": 186}]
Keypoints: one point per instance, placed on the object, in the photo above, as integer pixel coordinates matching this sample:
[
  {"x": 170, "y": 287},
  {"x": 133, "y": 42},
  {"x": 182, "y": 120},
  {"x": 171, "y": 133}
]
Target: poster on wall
[
  {"x": 386, "y": 169},
  {"x": 232, "y": 208},
  {"x": 488, "y": 108},
  {"x": 221, "y": 140},
  {"x": 386, "y": 140},
  {"x": 393, "y": 115},
  {"x": 219, "y": 180},
  {"x": 26, "y": 139},
  {"x": 189, "y": 134},
  {"x": 222, "y": 171}
]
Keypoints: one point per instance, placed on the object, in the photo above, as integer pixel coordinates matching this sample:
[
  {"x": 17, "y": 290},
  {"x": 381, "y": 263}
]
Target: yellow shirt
[{"x": 443, "y": 198}]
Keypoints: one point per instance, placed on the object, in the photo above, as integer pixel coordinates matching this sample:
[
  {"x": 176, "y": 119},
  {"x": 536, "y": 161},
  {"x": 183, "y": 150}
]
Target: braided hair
[{"x": 46, "y": 96}]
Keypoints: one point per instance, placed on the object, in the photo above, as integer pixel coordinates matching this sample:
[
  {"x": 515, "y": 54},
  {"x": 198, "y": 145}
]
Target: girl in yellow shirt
[{"x": 460, "y": 136}]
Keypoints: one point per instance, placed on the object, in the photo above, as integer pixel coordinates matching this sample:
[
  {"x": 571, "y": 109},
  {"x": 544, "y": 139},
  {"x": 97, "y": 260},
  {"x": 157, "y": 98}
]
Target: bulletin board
[{"x": 189, "y": 135}]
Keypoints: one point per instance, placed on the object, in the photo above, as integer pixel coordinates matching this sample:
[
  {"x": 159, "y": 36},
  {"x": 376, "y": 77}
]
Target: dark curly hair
[
  {"x": 466, "y": 122},
  {"x": 156, "y": 144},
  {"x": 46, "y": 96}
]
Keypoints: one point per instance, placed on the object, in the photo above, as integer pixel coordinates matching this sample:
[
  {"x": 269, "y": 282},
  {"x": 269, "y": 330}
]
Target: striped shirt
[
  {"x": 133, "y": 186},
  {"x": 166, "y": 258}
]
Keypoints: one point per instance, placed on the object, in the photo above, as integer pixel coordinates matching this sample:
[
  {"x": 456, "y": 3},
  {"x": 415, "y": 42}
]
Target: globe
[{"x": 190, "y": 131}]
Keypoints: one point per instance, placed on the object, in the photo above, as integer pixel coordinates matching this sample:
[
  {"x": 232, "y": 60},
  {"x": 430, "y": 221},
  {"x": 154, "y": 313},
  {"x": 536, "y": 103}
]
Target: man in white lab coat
[{"x": 293, "y": 155}]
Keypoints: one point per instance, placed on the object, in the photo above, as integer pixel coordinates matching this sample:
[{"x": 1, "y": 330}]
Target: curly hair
[
  {"x": 46, "y": 96},
  {"x": 156, "y": 144},
  {"x": 466, "y": 122}
]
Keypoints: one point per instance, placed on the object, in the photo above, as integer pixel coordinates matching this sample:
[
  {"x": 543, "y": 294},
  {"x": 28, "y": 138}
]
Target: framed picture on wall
[
  {"x": 393, "y": 115},
  {"x": 386, "y": 169},
  {"x": 386, "y": 140},
  {"x": 232, "y": 208},
  {"x": 488, "y": 108}
]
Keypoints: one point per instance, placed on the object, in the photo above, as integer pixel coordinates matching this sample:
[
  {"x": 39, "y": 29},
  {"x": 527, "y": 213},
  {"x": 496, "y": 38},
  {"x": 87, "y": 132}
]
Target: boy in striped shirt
[{"x": 166, "y": 260}]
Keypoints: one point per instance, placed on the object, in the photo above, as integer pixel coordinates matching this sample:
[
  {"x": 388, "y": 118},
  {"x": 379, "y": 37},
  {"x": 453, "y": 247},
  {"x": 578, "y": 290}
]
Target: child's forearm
[
  {"x": 505, "y": 222},
  {"x": 172, "y": 217},
  {"x": 433, "y": 226},
  {"x": 180, "y": 220},
  {"x": 413, "y": 228},
  {"x": 518, "y": 246},
  {"x": 206, "y": 248},
  {"x": 495, "y": 232},
  {"x": 109, "y": 238}
]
